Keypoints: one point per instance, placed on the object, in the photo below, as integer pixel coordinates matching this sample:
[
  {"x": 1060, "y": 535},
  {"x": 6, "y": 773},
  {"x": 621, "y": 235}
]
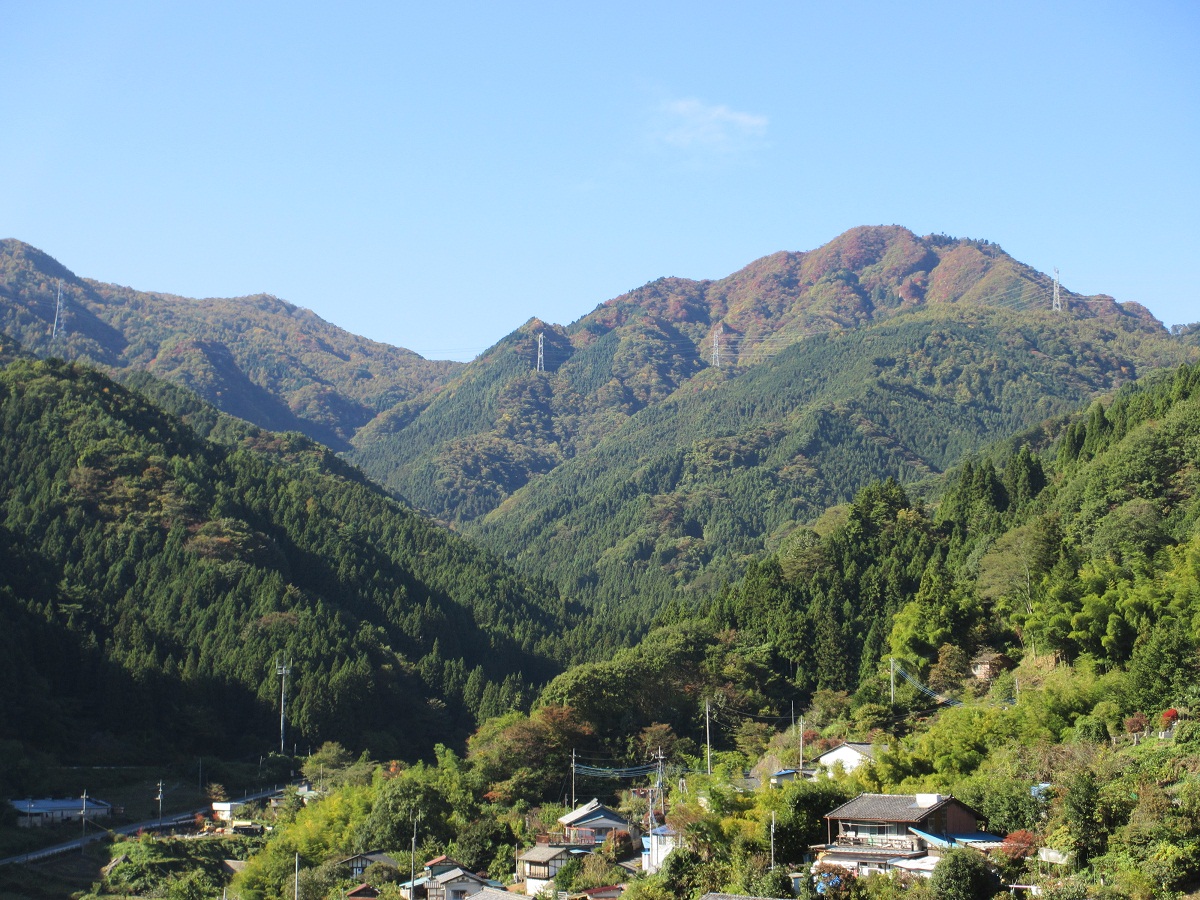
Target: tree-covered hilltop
[
  {"x": 258, "y": 357},
  {"x": 165, "y": 565}
]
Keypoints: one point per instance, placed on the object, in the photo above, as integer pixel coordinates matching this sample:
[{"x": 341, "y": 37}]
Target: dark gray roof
[{"x": 889, "y": 808}]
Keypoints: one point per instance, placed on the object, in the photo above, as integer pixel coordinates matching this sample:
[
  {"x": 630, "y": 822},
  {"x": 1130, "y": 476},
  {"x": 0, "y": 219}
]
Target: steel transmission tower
[{"x": 282, "y": 670}]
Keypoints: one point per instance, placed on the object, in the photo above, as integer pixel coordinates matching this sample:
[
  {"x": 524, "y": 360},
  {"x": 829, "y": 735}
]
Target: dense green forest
[
  {"x": 688, "y": 489},
  {"x": 678, "y": 430},
  {"x": 165, "y": 556},
  {"x": 634, "y": 468},
  {"x": 1072, "y": 550},
  {"x": 928, "y": 483}
]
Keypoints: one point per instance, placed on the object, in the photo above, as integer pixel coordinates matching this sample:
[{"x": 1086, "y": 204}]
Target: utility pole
[
  {"x": 772, "y": 839},
  {"x": 802, "y": 747},
  {"x": 160, "y": 798},
  {"x": 412, "y": 889},
  {"x": 83, "y": 820},
  {"x": 707, "y": 737},
  {"x": 572, "y": 778},
  {"x": 892, "y": 671},
  {"x": 282, "y": 670},
  {"x": 296, "y": 889},
  {"x": 541, "y": 363},
  {"x": 662, "y": 784},
  {"x": 1057, "y": 303}
]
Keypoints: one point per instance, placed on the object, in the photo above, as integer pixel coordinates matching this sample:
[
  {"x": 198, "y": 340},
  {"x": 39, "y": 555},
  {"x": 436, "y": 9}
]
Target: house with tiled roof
[{"x": 885, "y": 832}]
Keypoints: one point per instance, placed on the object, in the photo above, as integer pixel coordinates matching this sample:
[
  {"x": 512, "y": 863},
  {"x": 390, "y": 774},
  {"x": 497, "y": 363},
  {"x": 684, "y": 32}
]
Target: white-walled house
[
  {"x": 658, "y": 844},
  {"x": 538, "y": 865},
  {"x": 849, "y": 755}
]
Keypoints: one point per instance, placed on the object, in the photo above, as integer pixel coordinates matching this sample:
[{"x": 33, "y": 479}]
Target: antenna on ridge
[
  {"x": 57, "y": 311},
  {"x": 1056, "y": 304},
  {"x": 541, "y": 363}
]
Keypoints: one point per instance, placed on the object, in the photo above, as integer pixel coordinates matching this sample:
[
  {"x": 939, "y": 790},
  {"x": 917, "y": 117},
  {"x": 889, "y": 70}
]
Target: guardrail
[{"x": 146, "y": 825}]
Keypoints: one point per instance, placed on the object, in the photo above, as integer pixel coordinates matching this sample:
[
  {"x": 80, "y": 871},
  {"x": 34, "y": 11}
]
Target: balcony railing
[{"x": 904, "y": 842}]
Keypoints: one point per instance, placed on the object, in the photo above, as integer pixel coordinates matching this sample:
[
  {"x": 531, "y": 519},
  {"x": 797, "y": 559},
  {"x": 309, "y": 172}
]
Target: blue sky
[{"x": 432, "y": 175}]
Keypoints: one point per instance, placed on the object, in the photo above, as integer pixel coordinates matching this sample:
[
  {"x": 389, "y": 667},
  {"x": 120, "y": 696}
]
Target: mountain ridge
[
  {"x": 699, "y": 419},
  {"x": 287, "y": 367}
]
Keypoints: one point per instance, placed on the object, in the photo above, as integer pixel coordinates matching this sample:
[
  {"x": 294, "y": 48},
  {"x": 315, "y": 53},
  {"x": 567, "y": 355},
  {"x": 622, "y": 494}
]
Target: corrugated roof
[{"x": 48, "y": 804}]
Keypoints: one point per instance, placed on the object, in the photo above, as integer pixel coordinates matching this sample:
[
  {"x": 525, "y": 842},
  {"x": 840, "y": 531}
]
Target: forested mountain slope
[
  {"x": 726, "y": 467},
  {"x": 1079, "y": 555},
  {"x": 677, "y": 429},
  {"x": 1086, "y": 550},
  {"x": 1073, "y": 567},
  {"x": 165, "y": 565},
  {"x": 258, "y": 358},
  {"x": 634, "y": 465},
  {"x": 500, "y": 424}
]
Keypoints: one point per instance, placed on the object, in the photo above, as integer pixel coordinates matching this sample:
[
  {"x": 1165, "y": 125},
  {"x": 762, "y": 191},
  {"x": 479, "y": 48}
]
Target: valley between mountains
[{"x": 720, "y": 516}]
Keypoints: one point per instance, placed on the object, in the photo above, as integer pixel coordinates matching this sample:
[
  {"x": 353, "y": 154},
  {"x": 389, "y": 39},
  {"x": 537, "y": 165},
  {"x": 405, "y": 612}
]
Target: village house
[
  {"x": 656, "y": 846},
  {"x": 443, "y": 878},
  {"x": 538, "y": 865},
  {"x": 360, "y": 862},
  {"x": 33, "y": 813},
  {"x": 590, "y": 824},
  {"x": 783, "y": 776},
  {"x": 884, "y": 832},
  {"x": 849, "y": 755},
  {"x": 988, "y": 664},
  {"x": 454, "y": 884}
]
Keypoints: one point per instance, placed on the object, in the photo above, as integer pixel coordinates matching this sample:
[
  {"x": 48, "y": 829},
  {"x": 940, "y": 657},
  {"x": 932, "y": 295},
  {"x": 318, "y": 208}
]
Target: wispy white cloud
[{"x": 695, "y": 126}]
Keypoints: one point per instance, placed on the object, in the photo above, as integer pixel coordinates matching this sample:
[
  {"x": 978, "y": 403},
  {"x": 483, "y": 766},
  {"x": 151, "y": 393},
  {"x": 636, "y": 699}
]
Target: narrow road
[{"x": 145, "y": 825}]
